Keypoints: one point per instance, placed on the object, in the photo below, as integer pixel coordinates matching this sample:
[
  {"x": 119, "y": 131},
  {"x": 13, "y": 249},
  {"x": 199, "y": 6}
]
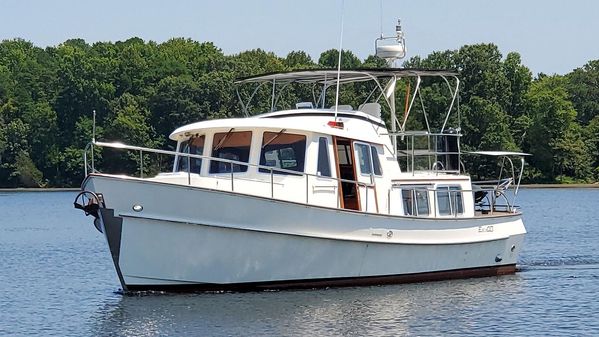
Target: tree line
[{"x": 141, "y": 91}]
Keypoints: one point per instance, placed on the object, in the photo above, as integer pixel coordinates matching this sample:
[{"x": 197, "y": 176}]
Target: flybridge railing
[
  {"x": 424, "y": 151},
  {"x": 90, "y": 167}
]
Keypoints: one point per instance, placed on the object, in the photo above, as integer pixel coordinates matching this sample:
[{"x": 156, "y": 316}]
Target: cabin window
[
  {"x": 285, "y": 151},
  {"x": 449, "y": 200},
  {"x": 376, "y": 164},
  {"x": 415, "y": 200},
  {"x": 343, "y": 154},
  {"x": 324, "y": 163},
  {"x": 363, "y": 158},
  {"x": 194, "y": 145},
  {"x": 231, "y": 146}
]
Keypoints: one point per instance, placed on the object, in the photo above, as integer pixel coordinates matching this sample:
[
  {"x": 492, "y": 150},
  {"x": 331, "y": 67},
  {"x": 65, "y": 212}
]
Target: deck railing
[
  {"x": 492, "y": 194},
  {"x": 492, "y": 200},
  {"x": 90, "y": 167},
  {"x": 425, "y": 151}
]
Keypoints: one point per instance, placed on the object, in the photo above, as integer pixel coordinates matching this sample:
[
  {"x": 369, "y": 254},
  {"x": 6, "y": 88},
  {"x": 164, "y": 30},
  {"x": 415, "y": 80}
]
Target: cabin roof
[
  {"x": 345, "y": 76},
  {"x": 358, "y": 125}
]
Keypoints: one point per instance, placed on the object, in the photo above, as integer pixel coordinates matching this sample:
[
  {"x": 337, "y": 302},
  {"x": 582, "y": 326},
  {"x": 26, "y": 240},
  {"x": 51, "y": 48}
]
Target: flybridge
[
  {"x": 385, "y": 80},
  {"x": 384, "y": 90}
]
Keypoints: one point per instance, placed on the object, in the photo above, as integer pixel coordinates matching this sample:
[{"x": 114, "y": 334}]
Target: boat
[{"x": 309, "y": 195}]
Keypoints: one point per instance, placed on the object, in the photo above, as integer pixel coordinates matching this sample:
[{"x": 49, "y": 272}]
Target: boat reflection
[{"x": 384, "y": 310}]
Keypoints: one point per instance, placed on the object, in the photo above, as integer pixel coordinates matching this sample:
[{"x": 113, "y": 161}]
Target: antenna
[
  {"x": 381, "y": 21},
  {"x": 391, "y": 48},
  {"x": 93, "y": 141},
  {"x": 339, "y": 61},
  {"x": 94, "y": 127}
]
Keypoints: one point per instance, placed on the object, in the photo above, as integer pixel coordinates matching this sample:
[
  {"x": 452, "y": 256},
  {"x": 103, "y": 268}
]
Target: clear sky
[{"x": 553, "y": 36}]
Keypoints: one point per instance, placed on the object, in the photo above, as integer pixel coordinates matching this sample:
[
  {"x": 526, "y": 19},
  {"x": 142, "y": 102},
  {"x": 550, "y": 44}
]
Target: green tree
[
  {"x": 330, "y": 58},
  {"x": 27, "y": 172},
  {"x": 298, "y": 60},
  {"x": 554, "y": 138},
  {"x": 175, "y": 101},
  {"x": 583, "y": 87},
  {"x": 591, "y": 135}
]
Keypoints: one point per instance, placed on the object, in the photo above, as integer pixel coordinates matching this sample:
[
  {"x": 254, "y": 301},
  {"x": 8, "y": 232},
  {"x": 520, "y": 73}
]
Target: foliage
[{"x": 141, "y": 91}]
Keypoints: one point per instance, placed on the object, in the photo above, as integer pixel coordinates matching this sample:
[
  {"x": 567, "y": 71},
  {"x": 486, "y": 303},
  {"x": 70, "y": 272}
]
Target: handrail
[
  {"x": 431, "y": 152},
  {"x": 235, "y": 162},
  {"x": 497, "y": 193},
  {"x": 121, "y": 146}
]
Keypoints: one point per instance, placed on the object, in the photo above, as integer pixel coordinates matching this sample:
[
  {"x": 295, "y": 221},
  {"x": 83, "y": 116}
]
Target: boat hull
[{"x": 189, "y": 238}]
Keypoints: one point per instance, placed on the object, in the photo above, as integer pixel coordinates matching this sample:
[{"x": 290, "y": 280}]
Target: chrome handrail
[
  {"x": 496, "y": 194},
  {"x": 272, "y": 170},
  {"x": 430, "y": 152}
]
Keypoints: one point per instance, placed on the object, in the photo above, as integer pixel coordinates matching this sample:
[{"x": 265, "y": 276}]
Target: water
[{"x": 57, "y": 279}]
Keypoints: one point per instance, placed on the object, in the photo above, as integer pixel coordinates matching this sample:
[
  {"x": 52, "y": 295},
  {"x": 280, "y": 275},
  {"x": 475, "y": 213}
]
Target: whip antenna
[
  {"x": 339, "y": 61},
  {"x": 94, "y": 126}
]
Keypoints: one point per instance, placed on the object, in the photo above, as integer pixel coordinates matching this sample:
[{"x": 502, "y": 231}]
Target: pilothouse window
[
  {"x": 376, "y": 164},
  {"x": 324, "y": 163},
  {"x": 449, "y": 200},
  {"x": 232, "y": 146},
  {"x": 194, "y": 145},
  {"x": 415, "y": 200},
  {"x": 283, "y": 150},
  {"x": 363, "y": 158},
  {"x": 368, "y": 158}
]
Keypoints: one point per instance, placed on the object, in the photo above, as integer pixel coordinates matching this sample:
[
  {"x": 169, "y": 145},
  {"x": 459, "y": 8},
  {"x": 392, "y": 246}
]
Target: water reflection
[
  {"x": 58, "y": 279},
  {"x": 386, "y": 310}
]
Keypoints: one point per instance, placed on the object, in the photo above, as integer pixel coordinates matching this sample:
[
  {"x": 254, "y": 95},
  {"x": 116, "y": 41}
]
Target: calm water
[{"x": 56, "y": 278}]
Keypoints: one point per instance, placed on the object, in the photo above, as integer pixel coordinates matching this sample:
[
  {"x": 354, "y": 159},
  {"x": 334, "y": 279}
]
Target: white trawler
[{"x": 309, "y": 196}]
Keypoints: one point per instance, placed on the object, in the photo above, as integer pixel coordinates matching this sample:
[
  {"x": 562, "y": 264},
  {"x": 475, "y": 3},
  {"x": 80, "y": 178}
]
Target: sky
[{"x": 552, "y": 36}]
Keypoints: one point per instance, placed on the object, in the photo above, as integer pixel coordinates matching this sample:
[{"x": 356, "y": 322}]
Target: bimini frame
[{"x": 385, "y": 80}]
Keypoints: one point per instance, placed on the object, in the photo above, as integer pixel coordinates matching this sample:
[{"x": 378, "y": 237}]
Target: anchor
[{"x": 90, "y": 203}]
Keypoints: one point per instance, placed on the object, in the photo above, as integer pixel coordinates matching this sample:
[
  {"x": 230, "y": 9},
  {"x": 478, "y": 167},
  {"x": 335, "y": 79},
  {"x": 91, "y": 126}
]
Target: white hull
[{"x": 191, "y": 237}]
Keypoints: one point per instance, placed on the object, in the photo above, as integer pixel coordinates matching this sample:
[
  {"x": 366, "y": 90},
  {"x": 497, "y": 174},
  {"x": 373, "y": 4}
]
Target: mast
[{"x": 390, "y": 49}]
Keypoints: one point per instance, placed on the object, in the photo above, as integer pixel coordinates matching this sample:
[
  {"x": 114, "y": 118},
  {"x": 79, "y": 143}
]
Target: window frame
[
  {"x": 371, "y": 157},
  {"x": 181, "y": 159},
  {"x": 357, "y": 158},
  {"x": 374, "y": 150},
  {"x": 458, "y": 197},
  {"x": 276, "y": 169},
  {"x": 413, "y": 191},
  {"x": 242, "y": 168},
  {"x": 327, "y": 157}
]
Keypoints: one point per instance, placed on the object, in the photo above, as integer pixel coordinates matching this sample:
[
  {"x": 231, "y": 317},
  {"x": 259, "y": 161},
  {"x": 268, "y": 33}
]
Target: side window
[
  {"x": 449, "y": 200},
  {"x": 363, "y": 158},
  {"x": 231, "y": 146},
  {"x": 344, "y": 155},
  {"x": 376, "y": 164},
  {"x": 415, "y": 200},
  {"x": 324, "y": 162},
  {"x": 408, "y": 202},
  {"x": 283, "y": 150},
  {"x": 194, "y": 145}
]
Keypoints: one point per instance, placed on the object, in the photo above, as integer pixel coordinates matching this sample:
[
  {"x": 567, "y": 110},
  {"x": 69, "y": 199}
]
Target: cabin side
[{"x": 314, "y": 163}]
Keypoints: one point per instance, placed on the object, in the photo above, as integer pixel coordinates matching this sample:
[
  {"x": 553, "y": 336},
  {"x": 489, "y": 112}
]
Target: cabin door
[{"x": 348, "y": 190}]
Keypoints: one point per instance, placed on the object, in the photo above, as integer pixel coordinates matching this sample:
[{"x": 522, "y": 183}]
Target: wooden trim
[
  {"x": 352, "y": 149},
  {"x": 339, "y": 187}
]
